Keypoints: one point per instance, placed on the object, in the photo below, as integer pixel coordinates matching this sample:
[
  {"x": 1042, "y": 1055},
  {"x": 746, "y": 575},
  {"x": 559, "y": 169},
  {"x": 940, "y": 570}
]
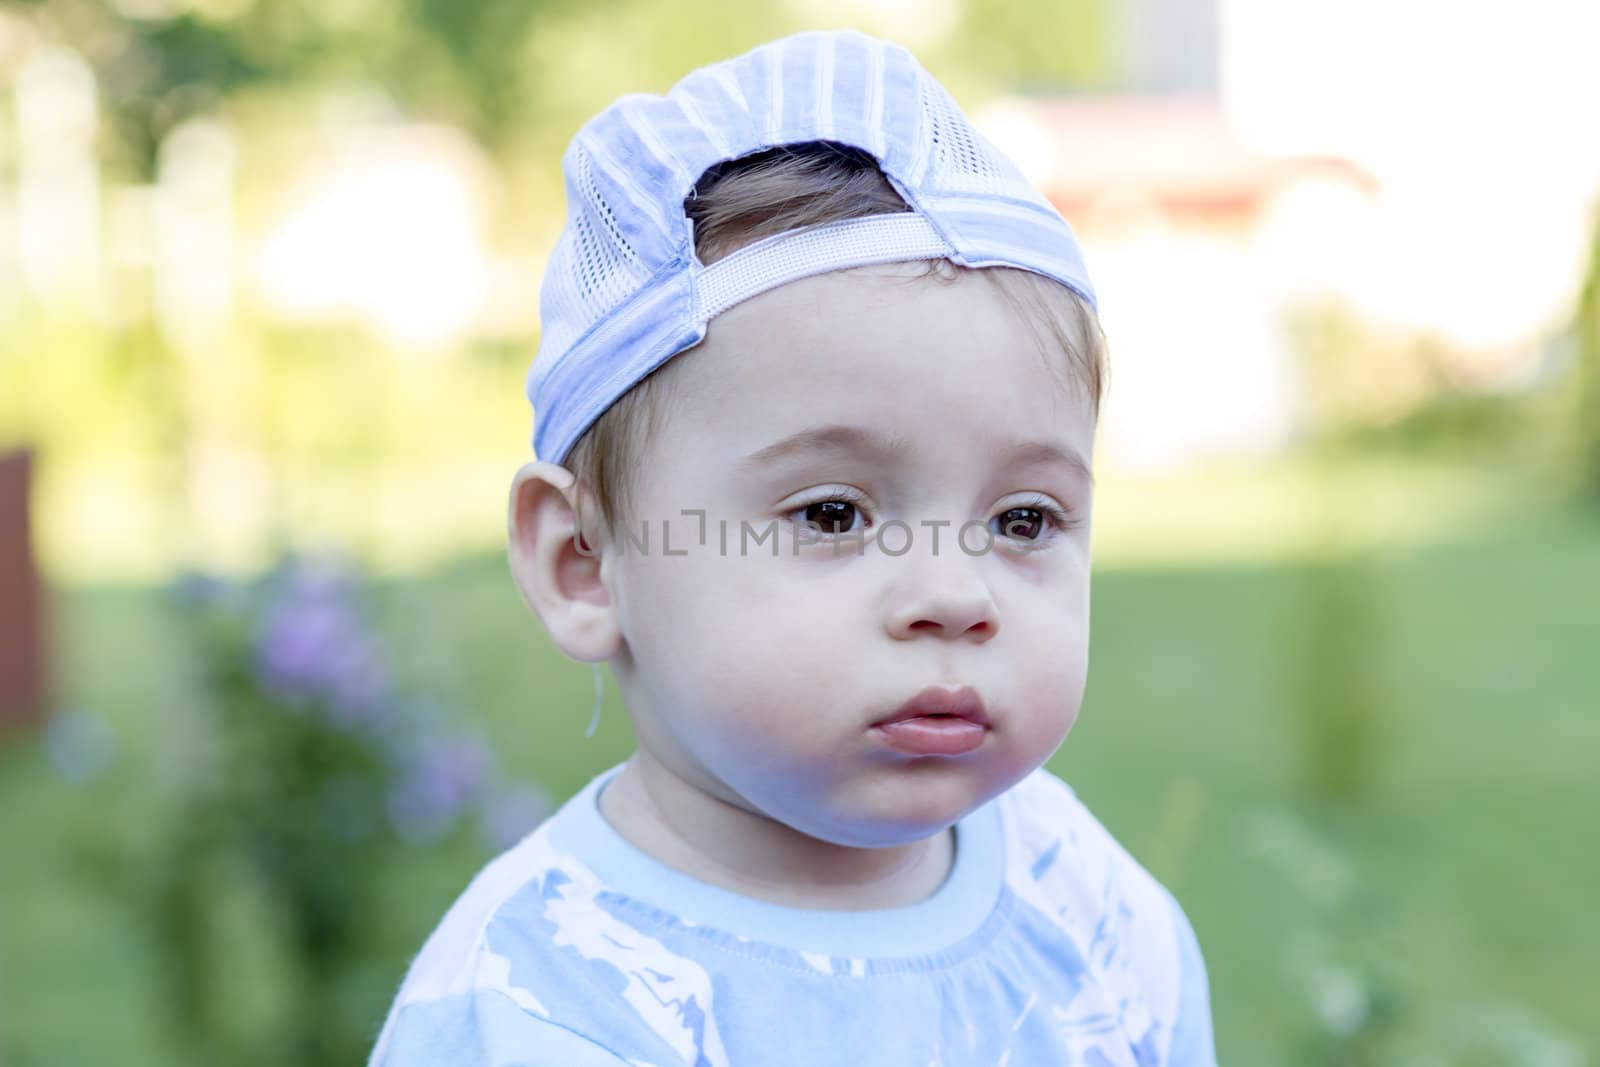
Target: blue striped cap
[{"x": 624, "y": 290}]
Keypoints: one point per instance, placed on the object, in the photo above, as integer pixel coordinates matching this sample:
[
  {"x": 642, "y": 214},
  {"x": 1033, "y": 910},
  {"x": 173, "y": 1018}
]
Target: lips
[
  {"x": 936, "y": 722},
  {"x": 963, "y": 703}
]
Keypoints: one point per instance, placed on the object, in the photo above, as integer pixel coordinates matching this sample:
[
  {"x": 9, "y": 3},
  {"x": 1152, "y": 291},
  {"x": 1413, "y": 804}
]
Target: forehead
[{"x": 883, "y": 346}]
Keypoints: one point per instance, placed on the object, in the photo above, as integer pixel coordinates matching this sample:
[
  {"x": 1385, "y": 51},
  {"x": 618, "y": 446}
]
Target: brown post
[{"x": 22, "y": 638}]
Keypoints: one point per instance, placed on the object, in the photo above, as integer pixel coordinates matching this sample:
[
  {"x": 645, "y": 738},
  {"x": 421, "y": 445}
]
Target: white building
[{"x": 1271, "y": 151}]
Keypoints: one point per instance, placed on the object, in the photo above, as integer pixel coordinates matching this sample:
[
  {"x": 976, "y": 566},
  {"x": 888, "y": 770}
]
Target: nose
[{"x": 941, "y": 596}]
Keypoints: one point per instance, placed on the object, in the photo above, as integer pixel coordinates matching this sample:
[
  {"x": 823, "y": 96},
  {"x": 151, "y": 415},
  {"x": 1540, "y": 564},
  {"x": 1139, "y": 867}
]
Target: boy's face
[{"x": 758, "y": 678}]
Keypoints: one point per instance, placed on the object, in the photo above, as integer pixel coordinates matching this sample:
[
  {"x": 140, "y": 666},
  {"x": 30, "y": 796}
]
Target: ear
[{"x": 563, "y": 585}]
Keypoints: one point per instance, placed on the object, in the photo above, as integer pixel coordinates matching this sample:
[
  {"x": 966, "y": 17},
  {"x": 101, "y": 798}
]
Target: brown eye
[
  {"x": 831, "y": 516},
  {"x": 1026, "y": 524}
]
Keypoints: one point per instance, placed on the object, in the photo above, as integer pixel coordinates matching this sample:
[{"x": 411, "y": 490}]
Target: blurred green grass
[{"x": 1469, "y": 873}]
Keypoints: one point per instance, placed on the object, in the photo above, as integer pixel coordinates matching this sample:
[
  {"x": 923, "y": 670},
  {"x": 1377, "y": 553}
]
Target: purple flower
[
  {"x": 444, "y": 777},
  {"x": 81, "y": 745},
  {"x": 360, "y": 692},
  {"x": 303, "y": 645},
  {"x": 513, "y": 813},
  {"x": 312, "y": 645}
]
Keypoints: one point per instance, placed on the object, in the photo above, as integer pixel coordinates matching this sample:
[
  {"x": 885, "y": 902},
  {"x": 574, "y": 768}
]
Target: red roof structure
[{"x": 1174, "y": 150}]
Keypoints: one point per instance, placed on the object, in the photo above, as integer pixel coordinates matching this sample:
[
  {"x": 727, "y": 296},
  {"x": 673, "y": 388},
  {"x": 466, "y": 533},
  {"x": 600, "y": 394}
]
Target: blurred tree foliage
[
  {"x": 1586, "y": 331},
  {"x": 325, "y": 402},
  {"x": 1377, "y": 391},
  {"x": 487, "y": 66},
  {"x": 163, "y": 61},
  {"x": 1337, "y": 664},
  {"x": 1035, "y": 46}
]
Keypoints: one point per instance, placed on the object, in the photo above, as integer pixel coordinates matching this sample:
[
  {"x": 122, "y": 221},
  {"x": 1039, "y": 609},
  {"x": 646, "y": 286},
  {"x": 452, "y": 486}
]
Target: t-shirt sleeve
[
  {"x": 1192, "y": 1041},
  {"x": 483, "y": 1029}
]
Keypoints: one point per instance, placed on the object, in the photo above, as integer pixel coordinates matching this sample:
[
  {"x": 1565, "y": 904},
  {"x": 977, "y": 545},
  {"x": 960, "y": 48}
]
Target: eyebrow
[
  {"x": 1048, "y": 453},
  {"x": 835, "y": 438},
  {"x": 854, "y": 440}
]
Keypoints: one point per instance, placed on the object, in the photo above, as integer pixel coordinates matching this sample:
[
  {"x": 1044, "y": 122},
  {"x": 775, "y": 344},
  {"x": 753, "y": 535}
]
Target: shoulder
[
  {"x": 1066, "y": 864},
  {"x": 469, "y": 986},
  {"x": 451, "y": 960},
  {"x": 530, "y": 956},
  {"x": 1193, "y": 1044},
  {"x": 1054, "y": 841}
]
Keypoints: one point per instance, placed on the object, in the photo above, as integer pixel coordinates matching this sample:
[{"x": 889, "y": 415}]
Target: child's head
[
  {"x": 774, "y": 191},
  {"x": 855, "y": 470}
]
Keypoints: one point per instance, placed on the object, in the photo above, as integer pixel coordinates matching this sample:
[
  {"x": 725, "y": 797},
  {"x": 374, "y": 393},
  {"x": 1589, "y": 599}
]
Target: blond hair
[{"x": 738, "y": 202}]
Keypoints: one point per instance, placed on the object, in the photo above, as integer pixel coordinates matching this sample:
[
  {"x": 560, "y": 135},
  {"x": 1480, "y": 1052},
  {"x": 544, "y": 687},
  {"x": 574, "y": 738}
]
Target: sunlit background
[{"x": 269, "y": 276}]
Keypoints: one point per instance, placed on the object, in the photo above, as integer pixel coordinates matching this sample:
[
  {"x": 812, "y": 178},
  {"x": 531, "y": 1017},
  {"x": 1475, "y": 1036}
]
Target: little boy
[{"x": 836, "y": 553}]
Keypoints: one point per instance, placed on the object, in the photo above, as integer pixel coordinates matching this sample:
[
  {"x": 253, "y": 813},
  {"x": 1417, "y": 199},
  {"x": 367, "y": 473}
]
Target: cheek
[
  {"x": 1053, "y": 641},
  {"x": 785, "y": 658},
  {"x": 764, "y": 702},
  {"x": 736, "y": 638}
]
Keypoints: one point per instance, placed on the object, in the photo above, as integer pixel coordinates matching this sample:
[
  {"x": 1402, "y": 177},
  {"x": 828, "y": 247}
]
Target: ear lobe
[{"x": 561, "y": 583}]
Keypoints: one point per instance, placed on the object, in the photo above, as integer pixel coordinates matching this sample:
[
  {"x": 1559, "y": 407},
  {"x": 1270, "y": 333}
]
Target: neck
[{"x": 748, "y": 853}]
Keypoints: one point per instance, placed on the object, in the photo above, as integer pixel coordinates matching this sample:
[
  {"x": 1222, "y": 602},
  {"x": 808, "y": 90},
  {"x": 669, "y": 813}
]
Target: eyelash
[
  {"x": 844, "y": 496},
  {"x": 1063, "y": 520},
  {"x": 1058, "y": 517}
]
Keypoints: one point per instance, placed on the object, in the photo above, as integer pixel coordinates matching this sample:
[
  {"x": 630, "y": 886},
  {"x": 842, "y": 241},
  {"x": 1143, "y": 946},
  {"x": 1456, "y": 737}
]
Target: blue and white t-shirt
[{"x": 1048, "y": 944}]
